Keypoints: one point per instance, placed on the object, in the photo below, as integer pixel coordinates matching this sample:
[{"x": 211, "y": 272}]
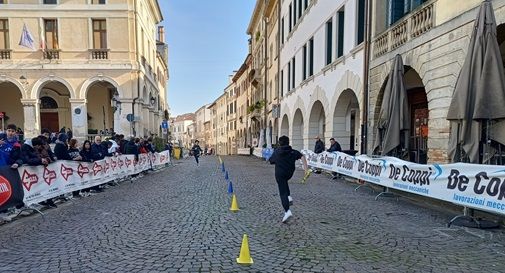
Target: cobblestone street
[{"x": 178, "y": 220}]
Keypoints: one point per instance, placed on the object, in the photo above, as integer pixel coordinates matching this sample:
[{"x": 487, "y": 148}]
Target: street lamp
[{"x": 153, "y": 100}]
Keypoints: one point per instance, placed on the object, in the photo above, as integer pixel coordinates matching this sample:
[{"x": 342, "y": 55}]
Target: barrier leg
[
  {"x": 364, "y": 184},
  {"x": 386, "y": 193},
  {"x": 30, "y": 208},
  {"x": 466, "y": 219}
]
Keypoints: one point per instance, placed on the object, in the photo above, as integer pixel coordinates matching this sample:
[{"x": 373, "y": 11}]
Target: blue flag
[{"x": 26, "y": 39}]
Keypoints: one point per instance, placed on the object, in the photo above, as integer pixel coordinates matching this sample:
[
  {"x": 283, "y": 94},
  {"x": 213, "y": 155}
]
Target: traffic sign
[
  {"x": 164, "y": 124},
  {"x": 129, "y": 117}
]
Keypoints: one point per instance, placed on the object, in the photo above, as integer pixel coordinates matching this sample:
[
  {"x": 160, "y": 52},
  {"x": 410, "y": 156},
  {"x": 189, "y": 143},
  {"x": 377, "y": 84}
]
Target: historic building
[
  {"x": 182, "y": 130},
  {"x": 321, "y": 71},
  {"x": 432, "y": 38},
  {"x": 202, "y": 125},
  {"x": 92, "y": 66}
]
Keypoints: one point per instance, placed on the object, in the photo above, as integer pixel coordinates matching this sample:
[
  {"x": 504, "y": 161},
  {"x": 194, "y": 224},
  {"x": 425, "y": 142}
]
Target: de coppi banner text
[
  {"x": 41, "y": 183},
  {"x": 471, "y": 185}
]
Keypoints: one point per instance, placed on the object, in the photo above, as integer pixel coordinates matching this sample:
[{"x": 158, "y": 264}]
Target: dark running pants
[
  {"x": 284, "y": 192},
  {"x": 196, "y": 158}
]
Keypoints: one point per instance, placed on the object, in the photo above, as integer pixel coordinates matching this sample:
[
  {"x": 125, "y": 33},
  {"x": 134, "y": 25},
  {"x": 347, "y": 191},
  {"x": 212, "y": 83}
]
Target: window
[
  {"x": 340, "y": 33},
  {"x": 99, "y": 34},
  {"x": 361, "y": 22},
  {"x": 4, "y": 34},
  {"x": 290, "y": 18},
  {"x": 289, "y": 76},
  {"x": 311, "y": 56},
  {"x": 282, "y": 83},
  {"x": 276, "y": 85},
  {"x": 300, "y": 10},
  {"x": 293, "y": 70},
  {"x": 304, "y": 62},
  {"x": 51, "y": 31},
  {"x": 294, "y": 12},
  {"x": 95, "y": 2},
  {"x": 329, "y": 38},
  {"x": 282, "y": 30},
  {"x": 52, "y": 2},
  {"x": 3, "y": 1}
]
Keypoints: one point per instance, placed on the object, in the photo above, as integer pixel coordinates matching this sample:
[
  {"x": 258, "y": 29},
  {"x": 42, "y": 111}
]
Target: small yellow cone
[
  {"x": 234, "y": 204},
  {"x": 245, "y": 256}
]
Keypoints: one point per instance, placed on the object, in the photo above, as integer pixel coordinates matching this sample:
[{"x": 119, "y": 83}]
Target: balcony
[
  {"x": 99, "y": 54},
  {"x": 51, "y": 54},
  {"x": 411, "y": 26},
  {"x": 5, "y": 54}
]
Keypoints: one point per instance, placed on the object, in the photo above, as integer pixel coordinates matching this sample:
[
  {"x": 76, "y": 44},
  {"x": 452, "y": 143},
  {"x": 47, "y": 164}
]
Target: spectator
[
  {"x": 319, "y": 147},
  {"x": 8, "y": 143},
  {"x": 169, "y": 147},
  {"x": 70, "y": 134},
  {"x": 122, "y": 144},
  {"x": 85, "y": 153},
  {"x": 73, "y": 151},
  {"x": 29, "y": 152},
  {"x": 113, "y": 148},
  {"x": 335, "y": 147},
  {"x": 47, "y": 152},
  {"x": 98, "y": 151},
  {"x": 132, "y": 149},
  {"x": 150, "y": 145},
  {"x": 61, "y": 148}
]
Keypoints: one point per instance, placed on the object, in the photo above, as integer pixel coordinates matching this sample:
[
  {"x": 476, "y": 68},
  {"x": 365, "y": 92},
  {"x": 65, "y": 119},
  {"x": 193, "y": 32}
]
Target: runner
[
  {"x": 284, "y": 159},
  {"x": 196, "y": 150}
]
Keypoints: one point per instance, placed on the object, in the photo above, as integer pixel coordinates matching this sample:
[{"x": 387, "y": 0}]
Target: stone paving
[{"x": 177, "y": 220}]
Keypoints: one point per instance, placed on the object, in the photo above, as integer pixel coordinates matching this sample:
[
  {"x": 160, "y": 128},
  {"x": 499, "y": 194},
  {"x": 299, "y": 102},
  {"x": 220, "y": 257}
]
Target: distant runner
[{"x": 196, "y": 150}]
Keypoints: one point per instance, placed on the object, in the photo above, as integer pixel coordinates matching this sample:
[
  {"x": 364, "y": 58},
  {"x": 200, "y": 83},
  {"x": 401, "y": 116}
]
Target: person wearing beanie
[
  {"x": 284, "y": 158},
  {"x": 61, "y": 148}
]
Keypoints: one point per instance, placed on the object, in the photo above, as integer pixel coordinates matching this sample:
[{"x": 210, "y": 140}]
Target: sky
[{"x": 207, "y": 41}]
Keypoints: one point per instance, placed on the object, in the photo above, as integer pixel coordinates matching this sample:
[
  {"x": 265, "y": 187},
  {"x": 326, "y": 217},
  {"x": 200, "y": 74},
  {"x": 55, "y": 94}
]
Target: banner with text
[
  {"x": 11, "y": 193},
  {"x": 472, "y": 185},
  {"x": 41, "y": 183}
]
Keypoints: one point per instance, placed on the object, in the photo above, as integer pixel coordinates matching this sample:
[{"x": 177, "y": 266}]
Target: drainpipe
[
  {"x": 265, "y": 86},
  {"x": 278, "y": 68},
  {"x": 366, "y": 68},
  {"x": 138, "y": 71}
]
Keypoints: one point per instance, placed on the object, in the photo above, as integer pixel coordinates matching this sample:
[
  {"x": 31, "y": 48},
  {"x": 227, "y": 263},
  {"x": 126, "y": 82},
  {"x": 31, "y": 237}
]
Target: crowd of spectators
[{"x": 37, "y": 151}]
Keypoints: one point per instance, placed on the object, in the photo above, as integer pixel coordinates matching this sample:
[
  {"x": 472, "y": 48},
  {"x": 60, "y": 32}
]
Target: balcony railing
[
  {"x": 5, "y": 54},
  {"x": 410, "y": 27},
  {"x": 51, "y": 54},
  {"x": 99, "y": 54}
]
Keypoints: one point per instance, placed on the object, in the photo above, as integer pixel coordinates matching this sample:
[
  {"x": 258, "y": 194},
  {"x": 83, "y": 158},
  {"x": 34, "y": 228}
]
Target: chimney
[{"x": 161, "y": 34}]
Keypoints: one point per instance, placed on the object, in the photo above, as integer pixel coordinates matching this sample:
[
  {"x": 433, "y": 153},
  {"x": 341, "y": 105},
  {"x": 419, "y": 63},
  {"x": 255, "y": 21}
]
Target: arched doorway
[
  {"x": 346, "y": 120},
  {"x": 418, "y": 114},
  {"x": 284, "y": 126},
  {"x": 100, "y": 108},
  {"x": 55, "y": 107},
  {"x": 317, "y": 121},
  {"x": 297, "y": 133},
  {"x": 10, "y": 105}
]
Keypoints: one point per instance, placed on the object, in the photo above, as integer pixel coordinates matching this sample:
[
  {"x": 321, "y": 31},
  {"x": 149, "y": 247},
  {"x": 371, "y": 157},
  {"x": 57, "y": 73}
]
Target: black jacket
[
  {"x": 284, "y": 159},
  {"x": 319, "y": 148},
  {"x": 98, "y": 151},
  {"x": 196, "y": 150},
  {"x": 132, "y": 149},
  {"x": 61, "y": 151},
  {"x": 335, "y": 147},
  {"x": 86, "y": 155},
  {"x": 30, "y": 156}
]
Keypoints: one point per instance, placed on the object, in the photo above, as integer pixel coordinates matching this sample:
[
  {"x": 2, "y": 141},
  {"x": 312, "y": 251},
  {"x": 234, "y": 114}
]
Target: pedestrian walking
[
  {"x": 284, "y": 158},
  {"x": 196, "y": 151}
]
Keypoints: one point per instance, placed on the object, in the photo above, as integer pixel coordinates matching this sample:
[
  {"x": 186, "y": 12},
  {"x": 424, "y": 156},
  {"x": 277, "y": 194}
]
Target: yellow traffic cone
[
  {"x": 245, "y": 256},
  {"x": 234, "y": 204}
]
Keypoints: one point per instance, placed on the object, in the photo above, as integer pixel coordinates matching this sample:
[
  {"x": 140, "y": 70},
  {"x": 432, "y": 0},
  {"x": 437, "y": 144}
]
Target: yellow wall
[
  {"x": 448, "y": 9},
  {"x": 98, "y": 98},
  {"x": 11, "y": 104}
]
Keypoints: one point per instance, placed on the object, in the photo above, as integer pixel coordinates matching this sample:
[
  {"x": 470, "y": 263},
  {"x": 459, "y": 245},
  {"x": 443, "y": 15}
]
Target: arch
[
  {"x": 284, "y": 126},
  {"x": 86, "y": 84},
  {"x": 319, "y": 95},
  {"x": 297, "y": 130},
  {"x": 346, "y": 120},
  {"x": 37, "y": 87},
  {"x": 348, "y": 81},
  {"x": 7, "y": 79},
  {"x": 317, "y": 121},
  {"x": 47, "y": 102},
  {"x": 101, "y": 108},
  {"x": 11, "y": 105},
  {"x": 417, "y": 144}
]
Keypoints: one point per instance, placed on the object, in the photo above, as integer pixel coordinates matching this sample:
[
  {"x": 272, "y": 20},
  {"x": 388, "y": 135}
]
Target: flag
[
  {"x": 42, "y": 38},
  {"x": 26, "y": 39}
]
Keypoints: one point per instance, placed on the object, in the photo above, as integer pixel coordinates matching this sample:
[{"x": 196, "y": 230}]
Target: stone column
[
  {"x": 31, "y": 111},
  {"x": 269, "y": 137},
  {"x": 79, "y": 113}
]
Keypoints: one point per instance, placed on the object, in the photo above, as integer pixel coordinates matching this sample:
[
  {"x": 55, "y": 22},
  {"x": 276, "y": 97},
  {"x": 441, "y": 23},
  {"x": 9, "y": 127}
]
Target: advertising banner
[
  {"x": 11, "y": 193},
  {"x": 41, "y": 183},
  {"x": 472, "y": 185}
]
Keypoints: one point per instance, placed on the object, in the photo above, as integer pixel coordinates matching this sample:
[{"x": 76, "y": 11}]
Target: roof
[{"x": 183, "y": 117}]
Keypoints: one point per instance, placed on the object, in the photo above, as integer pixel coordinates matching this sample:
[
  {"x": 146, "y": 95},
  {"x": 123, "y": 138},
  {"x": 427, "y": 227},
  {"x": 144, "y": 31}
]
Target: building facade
[
  {"x": 92, "y": 66},
  {"x": 202, "y": 122},
  {"x": 322, "y": 64},
  {"x": 433, "y": 38},
  {"x": 180, "y": 132}
]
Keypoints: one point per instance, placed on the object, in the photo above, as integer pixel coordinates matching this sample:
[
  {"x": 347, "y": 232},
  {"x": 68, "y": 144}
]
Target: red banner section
[{"x": 41, "y": 183}]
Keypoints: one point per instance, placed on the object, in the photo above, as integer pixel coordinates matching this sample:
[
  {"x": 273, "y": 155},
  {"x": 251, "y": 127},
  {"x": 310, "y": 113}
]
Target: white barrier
[
  {"x": 471, "y": 185},
  {"x": 41, "y": 183}
]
